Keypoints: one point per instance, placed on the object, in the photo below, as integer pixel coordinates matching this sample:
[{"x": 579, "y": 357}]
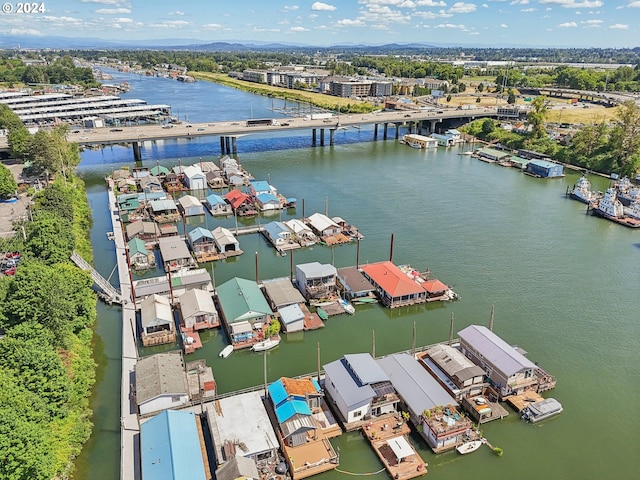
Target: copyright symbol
[{"x": 7, "y": 8}]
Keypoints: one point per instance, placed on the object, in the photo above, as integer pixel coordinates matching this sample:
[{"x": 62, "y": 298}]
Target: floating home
[
  {"x": 267, "y": 201},
  {"x": 164, "y": 211},
  {"x": 393, "y": 287},
  {"x": 316, "y": 280},
  {"x": 419, "y": 141},
  {"x": 508, "y": 370},
  {"x": 150, "y": 184},
  {"x": 170, "y": 442},
  {"x": 194, "y": 179},
  {"x": 544, "y": 169},
  {"x": 139, "y": 257},
  {"x": 202, "y": 244},
  {"x": 291, "y": 318},
  {"x": 217, "y": 205},
  {"x": 301, "y": 232},
  {"x": 322, "y": 225},
  {"x": 156, "y": 319},
  {"x": 161, "y": 383},
  {"x": 492, "y": 155},
  {"x": 359, "y": 389},
  {"x": 175, "y": 253},
  {"x": 355, "y": 285},
  {"x": 280, "y": 236},
  {"x": 145, "y": 231},
  {"x": 244, "y": 310},
  {"x": 182, "y": 281},
  {"x": 190, "y": 206},
  {"x": 197, "y": 310},
  {"x": 225, "y": 242}
]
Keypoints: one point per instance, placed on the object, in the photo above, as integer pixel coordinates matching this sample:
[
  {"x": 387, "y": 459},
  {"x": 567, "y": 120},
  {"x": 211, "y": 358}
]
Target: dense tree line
[
  {"x": 46, "y": 312},
  {"x": 60, "y": 71},
  {"x": 605, "y": 148}
]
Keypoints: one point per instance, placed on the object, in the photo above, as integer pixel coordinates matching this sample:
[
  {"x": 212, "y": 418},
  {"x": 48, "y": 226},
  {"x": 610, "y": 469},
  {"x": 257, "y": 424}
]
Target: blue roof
[
  {"x": 267, "y": 197},
  {"x": 277, "y": 392},
  {"x": 288, "y": 409},
  {"x": 170, "y": 447},
  {"x": 214, "y": 199},
  {"x": 274, "y": 229},
  {"x": 199, "y": 233},
  {"x": 544, "y": 163},
  {"x": 260, "y": 186}
]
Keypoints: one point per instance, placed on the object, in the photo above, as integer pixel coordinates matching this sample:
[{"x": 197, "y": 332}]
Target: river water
[{"x": 564, "y": 284}]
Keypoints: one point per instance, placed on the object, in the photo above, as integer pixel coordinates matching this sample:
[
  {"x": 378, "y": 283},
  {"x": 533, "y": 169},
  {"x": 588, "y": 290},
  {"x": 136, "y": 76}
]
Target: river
[{"x": 564, "y": 284}]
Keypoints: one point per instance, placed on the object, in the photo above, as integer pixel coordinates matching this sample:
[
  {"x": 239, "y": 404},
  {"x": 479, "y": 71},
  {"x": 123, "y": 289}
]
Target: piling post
[
  {"x": 358, "y": 254},
  {"x": 222, "y": 152},
  {"x": 451, "y": 330},
  {"x": 491, "y": 318},
  {"x": 391, "y": 249},
  {"x": 385, "y": 129},
  {"x": 257, "y": 276},
  {"x": 313, "y": 137},
  {"x": 322, "y": 137},
  {"x": 331, "y": 135},
  {"x": 375, "y": 131}
]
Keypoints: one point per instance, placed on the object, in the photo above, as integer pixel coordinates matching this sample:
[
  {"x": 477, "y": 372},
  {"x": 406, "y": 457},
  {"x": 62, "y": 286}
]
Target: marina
[{"x": 448, "y": 252}]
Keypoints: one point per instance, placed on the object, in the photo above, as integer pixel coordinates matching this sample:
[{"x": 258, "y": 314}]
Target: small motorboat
[
  {"x": 226, "y": 351},
  {"x": 350, "y": 309},
  {"x": 469, "y": 447},
  {"x": 266, "y": 344}
]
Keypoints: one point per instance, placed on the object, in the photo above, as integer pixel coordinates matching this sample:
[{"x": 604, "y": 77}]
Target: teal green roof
[
  {"x": 159, "y": 170},
  {"x": 137, "y": 246},
  {"x": 242, "y": 300}
]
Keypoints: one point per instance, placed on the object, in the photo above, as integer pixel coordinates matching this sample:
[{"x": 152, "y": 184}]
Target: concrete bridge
[{"x": 418, "y": 121}]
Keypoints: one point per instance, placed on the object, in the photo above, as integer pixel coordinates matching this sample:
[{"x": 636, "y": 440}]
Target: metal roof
[
  {"x": 288, "y": 409},
  {"x": 276, "y": 229},
  {"x": 188, "y": 201},
  {"x": 418, "y": 389},
  {"x": 137, "y": 246},
  {"x": 454, "y": 363},
  {"x": 173, "y": 248},
  {"x": 242, "y": 299},
  {"x": 347, "y": 385},
  {"x": 214, "y": 199},
  {"x": 291, "y": 313},
  {"x": 160, "y": 374},
  {"x": 277, "y": 392},
  {"x": 237, "y": 467},
  {"x": 355, "y": 281},
  {"x": 195, "y": 302},
  {"x": 391, "y": 279},
  {"x": 494, "y": 350},
  {"x": 365, "y": 368},
  {"x": 223, "y": 236},
  {"x": 316, "y": 269},
  {"x": 156, "y": 311},
  {"x": 170, "y": 447},
  {"x": 282, "y": 292},
  {"x": 163, "y": 205},
  {"x": 199, "y": 233},
  {"x": 260, "y": 186},
  {"x": 321, "y": 222}
]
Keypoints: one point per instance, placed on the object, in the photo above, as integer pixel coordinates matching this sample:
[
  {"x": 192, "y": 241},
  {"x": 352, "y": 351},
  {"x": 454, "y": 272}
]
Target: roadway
[{"x": 141, "y": 133}]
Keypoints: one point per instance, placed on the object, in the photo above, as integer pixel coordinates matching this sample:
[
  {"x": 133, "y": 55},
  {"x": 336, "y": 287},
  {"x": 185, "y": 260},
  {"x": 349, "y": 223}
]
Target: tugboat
[
  {"x": 582, "y": 191},
  {"x": 609, "y": 207}
]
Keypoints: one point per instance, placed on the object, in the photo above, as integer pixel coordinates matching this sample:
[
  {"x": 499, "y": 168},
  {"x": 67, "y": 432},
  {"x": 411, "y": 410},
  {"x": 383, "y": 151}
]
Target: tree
[
  {"x": 488, "y": 126},
  {"x": 624, "y": 139},
  {"x": 511, "y": 98},
  {"x": 478, "y": 100},
  {"x": 481, "y": 87},
  {"x": 537, "y": 116},
  {"x": 8, "y": 184},
  {"x": 448, "y": 98},
  {"x": 49, "y": 238},
  {"x": 50, "y": 151}
]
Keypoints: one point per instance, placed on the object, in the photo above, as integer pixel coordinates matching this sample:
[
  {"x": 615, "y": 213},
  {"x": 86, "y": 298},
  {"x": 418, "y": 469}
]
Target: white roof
[
  {"x": 192, "y": 171},
  {"x": 223, "y": 236},
  {"x": 297, "y": 226},
  {"x": 195, "y": 301},
  {"x": 321, "y": 222},
  {"x": 156, "y": 311},
  {"x": 189, "y": 201},
  {"x": 401, "y": 448}
]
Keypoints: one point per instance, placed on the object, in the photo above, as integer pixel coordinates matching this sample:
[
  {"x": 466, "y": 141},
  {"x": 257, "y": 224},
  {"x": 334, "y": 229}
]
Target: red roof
[
  {"x": 236, "y": 198},
  {"x": 434, "y": 286},
  {"x": 391, "y": 279}
]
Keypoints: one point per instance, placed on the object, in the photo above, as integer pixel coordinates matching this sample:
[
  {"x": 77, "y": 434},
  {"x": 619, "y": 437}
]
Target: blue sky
[{"x": 577, "y": 23}]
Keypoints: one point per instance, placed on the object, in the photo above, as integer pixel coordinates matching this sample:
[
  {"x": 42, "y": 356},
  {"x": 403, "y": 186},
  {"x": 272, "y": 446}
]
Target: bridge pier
[
  {"x": 433, "y": 125},
  {"x": 137, "y": 154},
  {"x": 375, "y": 131},
  {"x": 234, "y": 145},
  {"x": 397, "y": 129},
  {"x": 227, "y": 144},
  {"x": 222, "y": 152},
  {"x": 331, "y": 135},
  {"x": 386, "y": 129},
  {"x": 313, "y": 137},
  {"x": 322, "y": 137}
]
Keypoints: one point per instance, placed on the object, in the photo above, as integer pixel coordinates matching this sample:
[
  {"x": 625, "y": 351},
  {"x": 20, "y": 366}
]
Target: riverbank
[{"x": 327, "y": 102}]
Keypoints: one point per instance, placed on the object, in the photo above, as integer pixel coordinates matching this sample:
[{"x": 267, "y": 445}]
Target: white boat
[
  {"x": 542, "y": 410},
  {"x": 266, "y": 344},
  {"x": 350, "y": 309},
  {"x": 226, "y": 351},
  {"x": 469, "y": 447},
  {"x": 609, "y": 207},
  {"x": 582, "y": 191}
]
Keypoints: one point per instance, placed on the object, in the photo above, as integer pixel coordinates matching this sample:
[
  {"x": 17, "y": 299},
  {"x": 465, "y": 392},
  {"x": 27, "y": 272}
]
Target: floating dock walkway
[{"x": 107, "y": 291}]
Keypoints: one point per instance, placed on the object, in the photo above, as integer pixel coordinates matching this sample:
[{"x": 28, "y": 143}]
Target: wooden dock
[
  {"x": 524, "y": 399},
  {"x": 386, "y": 435}
]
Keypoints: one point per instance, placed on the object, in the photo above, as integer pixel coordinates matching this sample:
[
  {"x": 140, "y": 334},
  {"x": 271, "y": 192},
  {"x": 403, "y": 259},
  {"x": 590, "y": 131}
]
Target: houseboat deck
[
  {"x": 337, "y": 239},
  {"x": 311, "y": 320},
  {"x": 525, "y": 398},
  {"x": 383, "y": 430},
  {"x": 190, "y": 346}
]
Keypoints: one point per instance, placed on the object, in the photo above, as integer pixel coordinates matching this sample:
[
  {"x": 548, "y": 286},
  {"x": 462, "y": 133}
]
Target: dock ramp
[{"x": 107, "y": 292}]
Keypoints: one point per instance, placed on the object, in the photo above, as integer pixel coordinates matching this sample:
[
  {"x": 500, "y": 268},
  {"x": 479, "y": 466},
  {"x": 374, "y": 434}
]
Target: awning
[
  {"x": 240, "y": 327},
  {"x": 401, "y": 448}
]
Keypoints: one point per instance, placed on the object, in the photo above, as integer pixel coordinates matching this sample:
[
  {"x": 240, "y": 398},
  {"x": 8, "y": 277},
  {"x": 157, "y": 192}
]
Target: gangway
[{"x": 107, "y": 291}]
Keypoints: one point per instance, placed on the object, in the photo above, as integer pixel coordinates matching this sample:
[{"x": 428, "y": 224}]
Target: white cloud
[
  {"x": 619, "y": 26},
  {"x": 346, "y": 22},
  {"x": 212, "y": 26},
  {"x": 461, "y": 7},
  {"x": 568, "y": 25},
  {"x": 123, "y": 20},
  {"x": 450, "y": 25},
  {"x": 528, "y": 10},
  {"x": 291, "y": 8},
  {"x": 484, "y": 5},
  {"x": 63, "y": 21},
  {"x": 24, "y": 31},
  {"x": 170, "y": 24},
  {"x": 504, "y": 25},
  {"x": 177, "y": 12},
  {"x": 432, "y": 15},
  {"x": 113, "y": 11},
  {"x": 430, "y": 3},
  {"x": 520, "y": 2},
  {"x": 591, "y": 22},
  {"x": 634, "y": 5},
  {"x": 323, "y": 6},
  {"x": 574, "y": 3},
  {"x": 299, "y": 29}
]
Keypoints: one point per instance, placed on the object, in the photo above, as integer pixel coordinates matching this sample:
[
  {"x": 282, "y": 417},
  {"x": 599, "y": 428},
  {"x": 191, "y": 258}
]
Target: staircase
[{"x": 106, "y": 291}]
